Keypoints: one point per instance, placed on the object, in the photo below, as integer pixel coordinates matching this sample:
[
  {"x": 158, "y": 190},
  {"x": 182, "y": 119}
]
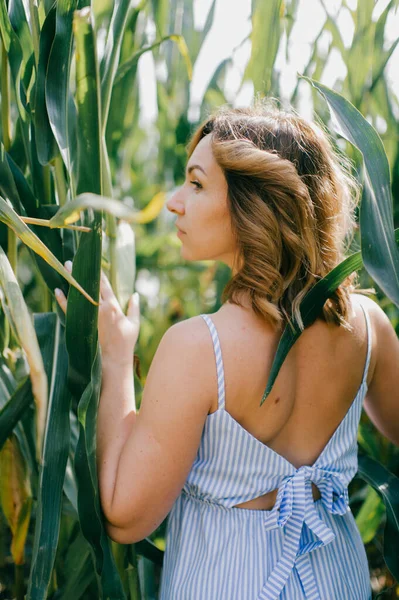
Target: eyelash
[{"x": 197, "y": 184}]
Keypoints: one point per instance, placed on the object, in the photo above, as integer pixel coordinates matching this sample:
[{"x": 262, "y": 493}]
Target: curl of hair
[{"x": 292, "y": 200}]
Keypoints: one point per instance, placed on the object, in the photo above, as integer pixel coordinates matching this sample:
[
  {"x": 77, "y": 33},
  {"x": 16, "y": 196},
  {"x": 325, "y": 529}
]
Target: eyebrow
[{"x": 192, "y": 167}]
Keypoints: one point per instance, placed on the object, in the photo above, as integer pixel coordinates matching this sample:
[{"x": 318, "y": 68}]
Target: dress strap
[
  {"x": 219, "y": 360},
  {"x": 369, "y": 341}
]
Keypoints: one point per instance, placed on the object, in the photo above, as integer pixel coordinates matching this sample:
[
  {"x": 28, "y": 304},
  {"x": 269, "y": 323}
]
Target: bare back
[{"x": 314, "y": 389}]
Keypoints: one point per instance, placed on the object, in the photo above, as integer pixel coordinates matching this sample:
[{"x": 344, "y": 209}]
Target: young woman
[{"x": 256, "y": 497}]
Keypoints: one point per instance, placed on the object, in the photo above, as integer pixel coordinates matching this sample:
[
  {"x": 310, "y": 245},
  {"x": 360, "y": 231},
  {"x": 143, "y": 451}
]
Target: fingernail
[
  {"x": 57, "y": 292},
  {"x": 68, "y": 265}
]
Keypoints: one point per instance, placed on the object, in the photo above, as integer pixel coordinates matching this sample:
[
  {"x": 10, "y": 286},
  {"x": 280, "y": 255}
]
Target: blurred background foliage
[{"x": 147, "y": 156}]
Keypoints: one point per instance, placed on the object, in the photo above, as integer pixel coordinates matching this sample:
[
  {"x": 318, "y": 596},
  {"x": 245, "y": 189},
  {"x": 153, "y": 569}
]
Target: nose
[{"x": 175, "y": 203}]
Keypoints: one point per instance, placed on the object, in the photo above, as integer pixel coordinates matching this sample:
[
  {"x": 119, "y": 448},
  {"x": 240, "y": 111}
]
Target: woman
[{"x": 256, "y": 495}]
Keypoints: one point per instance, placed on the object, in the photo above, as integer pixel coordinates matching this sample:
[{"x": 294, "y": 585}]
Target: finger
[
  {"x": 60, "y": 297},
  {"x": 133, "y": 309},
  {"x": 105, "y": 287}
]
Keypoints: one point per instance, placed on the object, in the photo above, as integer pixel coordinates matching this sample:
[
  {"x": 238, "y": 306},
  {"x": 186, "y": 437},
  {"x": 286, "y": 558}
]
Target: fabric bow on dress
[{"x": 295, "y": 506}]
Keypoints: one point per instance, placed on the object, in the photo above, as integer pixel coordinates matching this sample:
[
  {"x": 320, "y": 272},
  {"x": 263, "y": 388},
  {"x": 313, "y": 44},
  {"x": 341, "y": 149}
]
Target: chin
[{"x": 197, "y": 255}]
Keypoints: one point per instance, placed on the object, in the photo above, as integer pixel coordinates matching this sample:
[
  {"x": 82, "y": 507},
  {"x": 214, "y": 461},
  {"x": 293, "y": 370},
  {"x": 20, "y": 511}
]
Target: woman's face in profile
[{"x": 202, "y": 211}]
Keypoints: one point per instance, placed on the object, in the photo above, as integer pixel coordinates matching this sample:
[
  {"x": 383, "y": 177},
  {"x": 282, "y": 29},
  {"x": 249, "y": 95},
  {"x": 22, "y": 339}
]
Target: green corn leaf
[
  {"x": 19, "y": 22},
  {"x": 380, "y": 67},
  {"x": 379, "y": 250},
  {"x": 214, "y": 95},
  {"x": 150, "y": 551},
  {"x": 131, "y": 63},
  {"x": 88, "y": 105},
  {"x": 46, "y": 145},
  {"x": 11, "y": 296},
  {"x": 360, "y": 57},
  {"x": 14, "y": 408},
  {"x": 160, "y": 9},
  {"x": 369, "y": 517},
  {"x": 12, "y": 220},
  {"x": 14, "y": 403},
  {"x": 90, "y": 513},
  {"x": 60, "y": 107},
  {"x": 265, "y": 37},
  {"x": 15, "y": 57},
  {"x": 310, "y": 308},
  {"x": 14, "y": 187},
  {"x": 70, "y": 212},
  {"x": 81, "y": 319},
  {"x": 194, "y": 38},
  {"x": 387, "y": 487},
  {"x": 109, "y": 64},
  {"x": 79, "y": 569},
  {"x": 8, "y": 187},
  {"x": 55, "y": 453}
]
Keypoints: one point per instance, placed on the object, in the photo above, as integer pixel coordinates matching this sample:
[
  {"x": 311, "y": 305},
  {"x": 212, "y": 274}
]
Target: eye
[{"x": 197, "y": 184}]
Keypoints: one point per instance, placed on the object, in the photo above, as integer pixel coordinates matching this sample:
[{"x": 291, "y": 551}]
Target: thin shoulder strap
[
  {"x": 219, "y": 360},
  {"x": 368, "y": 327}
]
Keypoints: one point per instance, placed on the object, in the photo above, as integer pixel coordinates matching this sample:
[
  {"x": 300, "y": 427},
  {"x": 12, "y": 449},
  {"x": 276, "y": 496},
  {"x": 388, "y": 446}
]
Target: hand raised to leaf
[{"x": 117, "y": 333}]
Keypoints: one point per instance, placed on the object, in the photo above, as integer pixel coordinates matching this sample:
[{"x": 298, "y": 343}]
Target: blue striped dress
[{"x": 299, "y": 549}]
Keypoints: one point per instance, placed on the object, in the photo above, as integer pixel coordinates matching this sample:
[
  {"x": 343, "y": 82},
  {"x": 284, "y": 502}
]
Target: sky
[{"x": 223, "y": 41}]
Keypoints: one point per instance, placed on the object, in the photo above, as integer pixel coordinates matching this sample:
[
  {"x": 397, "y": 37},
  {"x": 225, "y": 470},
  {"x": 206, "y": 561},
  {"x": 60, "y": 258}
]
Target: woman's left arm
[{"x": 144, "y": 459}]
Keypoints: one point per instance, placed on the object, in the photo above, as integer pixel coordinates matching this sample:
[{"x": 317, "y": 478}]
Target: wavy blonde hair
[{"x": 292, "y": 202}]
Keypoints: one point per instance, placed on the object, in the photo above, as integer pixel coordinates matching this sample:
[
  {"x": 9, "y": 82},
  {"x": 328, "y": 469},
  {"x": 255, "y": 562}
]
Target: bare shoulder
[
  {"x": 380, "y": 322},
  {"x": 188, "y": 345},
  {"x": 190, "y": 333}
]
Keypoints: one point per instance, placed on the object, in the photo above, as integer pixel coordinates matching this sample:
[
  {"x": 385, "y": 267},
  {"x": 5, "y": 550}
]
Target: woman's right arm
[{"x": 382, "y": 399}]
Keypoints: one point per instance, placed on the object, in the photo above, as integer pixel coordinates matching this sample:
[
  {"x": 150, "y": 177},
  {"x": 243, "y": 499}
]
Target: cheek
[{"x": 211, "y": 237}]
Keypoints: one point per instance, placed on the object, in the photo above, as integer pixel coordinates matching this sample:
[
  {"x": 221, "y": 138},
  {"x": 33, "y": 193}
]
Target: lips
[{"x": 181, "y": 230}]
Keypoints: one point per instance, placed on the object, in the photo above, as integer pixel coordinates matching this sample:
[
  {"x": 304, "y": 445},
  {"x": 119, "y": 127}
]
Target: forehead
[{"x": 203, "y": 155}]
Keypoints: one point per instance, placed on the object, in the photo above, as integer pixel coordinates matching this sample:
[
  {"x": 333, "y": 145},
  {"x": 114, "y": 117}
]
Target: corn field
[{"x": 84, "y": 178}]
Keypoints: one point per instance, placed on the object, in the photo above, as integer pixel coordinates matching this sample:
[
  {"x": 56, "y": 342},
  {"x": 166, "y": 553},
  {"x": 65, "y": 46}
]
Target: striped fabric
[{"x": 300, "y": 549}]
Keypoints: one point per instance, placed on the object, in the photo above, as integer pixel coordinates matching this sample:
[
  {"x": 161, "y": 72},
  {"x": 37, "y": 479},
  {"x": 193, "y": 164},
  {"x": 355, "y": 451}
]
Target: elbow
[
  {"x": 123, "y": 529},
  {"x": 116, "y": 521},
  {"x": 118, "y": 527},
  {"x": 129, "y": 532},
  {"x": 122, "y": 535},
  {"x": 128, "y": 524}
]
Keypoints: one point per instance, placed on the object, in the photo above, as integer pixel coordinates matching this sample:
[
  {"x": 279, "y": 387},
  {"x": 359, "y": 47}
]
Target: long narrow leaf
[
  {"x": 46, "y": 145},
  {"x": 81, "y": 322},
  {"x": 70, "y": 212},
  {"x": 57, "y": 81},
  {"x": 13, "y": 410},
  {"x": 379, "y": 250},
  {"x": 387, "y": 486},
  {"x": 265, "y": 37},
  {"x": 55, "y": 454},
  {"x": 110, "y": 60},
  {"x": 310, "y": 308},
  {"x": 131, "y": 63},
  {"x": 15, "y": 56},
  {"x": 26, "y": 235},
  {"x": 11, "y": 294},
  {"x": 90, "y": 513},
  {"x": 79, "y": 569}
]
